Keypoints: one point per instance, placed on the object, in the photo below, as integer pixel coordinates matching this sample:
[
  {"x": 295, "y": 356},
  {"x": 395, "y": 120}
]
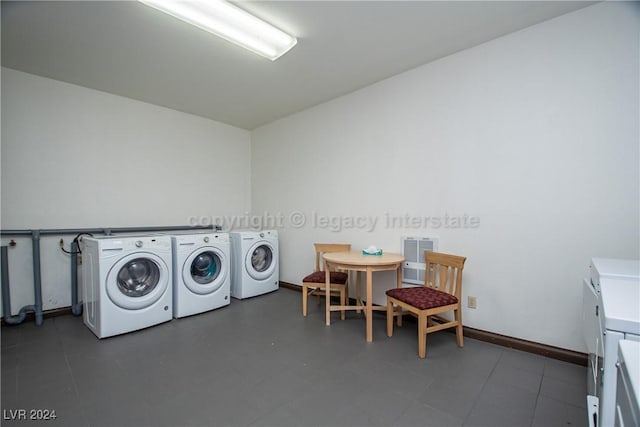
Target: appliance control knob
[
  {"x": 139, "y": 243},
  {"x": 261, "y": 234},
  {"x": 206, "y": 239}
]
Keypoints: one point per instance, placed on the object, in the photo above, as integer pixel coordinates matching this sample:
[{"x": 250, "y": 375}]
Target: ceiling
[{"x": 132, "y": 50}]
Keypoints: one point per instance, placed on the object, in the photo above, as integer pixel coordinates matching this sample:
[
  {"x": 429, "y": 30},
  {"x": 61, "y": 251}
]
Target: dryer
[
  {"x": 201, "y": 272},
  {"x": 610, "y": 314},
  {"x": 255, "y": 266},
  {"x": 126, "y": 283}
]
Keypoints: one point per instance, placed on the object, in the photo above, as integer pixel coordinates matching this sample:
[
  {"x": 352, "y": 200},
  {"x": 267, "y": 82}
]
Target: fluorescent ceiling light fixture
[{"x": 231, "y": 23}]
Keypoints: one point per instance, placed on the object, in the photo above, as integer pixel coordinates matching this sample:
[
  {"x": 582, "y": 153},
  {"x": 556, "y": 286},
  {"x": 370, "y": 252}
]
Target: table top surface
[{"x": 357, "y": 258}]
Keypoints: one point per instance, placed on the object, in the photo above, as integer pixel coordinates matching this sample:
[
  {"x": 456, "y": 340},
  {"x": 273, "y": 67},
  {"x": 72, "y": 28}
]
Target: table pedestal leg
[
  {"x": 369, "y": 310},
  {"x": 399, "y": 284},
  {"x": 327, "y": 294},
  {"x": 358, "y": 290}
]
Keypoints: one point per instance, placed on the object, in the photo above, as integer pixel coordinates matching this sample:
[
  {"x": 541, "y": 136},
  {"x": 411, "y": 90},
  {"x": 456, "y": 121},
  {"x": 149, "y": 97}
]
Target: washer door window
[
  {"x": 137, "y": 281},
  {"x": 205, "y": 270},
  {"x": 260, "y": 261}
]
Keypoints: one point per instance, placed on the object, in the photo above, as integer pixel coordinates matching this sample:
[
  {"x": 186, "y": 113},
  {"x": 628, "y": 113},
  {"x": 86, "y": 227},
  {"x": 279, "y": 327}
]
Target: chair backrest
[
  {"x": 324, "y": 248},
  {"x": 444, "y": 272}
]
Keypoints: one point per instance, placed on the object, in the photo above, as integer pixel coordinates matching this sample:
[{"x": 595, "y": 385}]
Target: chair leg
[
  {"x": 342, "y": 302},
  {"x": 422, "y": 336},
  {"x": 305, "y": 290},
  {"x": 389, "y": 318},
  {"x": 399, "y": 319},
  {"x": 459, "y": 334}
]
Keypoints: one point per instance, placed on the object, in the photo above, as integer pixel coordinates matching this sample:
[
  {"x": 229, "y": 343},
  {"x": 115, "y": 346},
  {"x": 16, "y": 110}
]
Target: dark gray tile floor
[{"x": 257, "y": 362}]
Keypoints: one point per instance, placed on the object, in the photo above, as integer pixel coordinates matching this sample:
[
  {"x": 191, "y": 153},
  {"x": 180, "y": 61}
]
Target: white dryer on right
[{"x": 254, "y": 263}]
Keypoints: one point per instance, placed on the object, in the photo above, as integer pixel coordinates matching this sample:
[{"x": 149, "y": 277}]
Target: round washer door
[
  {"x": 260, "y": 261},
  {"x": 137, "y": 280},
  {"x": 205, "y": 270}
]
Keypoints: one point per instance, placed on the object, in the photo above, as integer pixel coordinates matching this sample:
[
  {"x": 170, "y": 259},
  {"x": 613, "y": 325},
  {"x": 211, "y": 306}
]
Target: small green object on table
[{"x": 377, "y": 252}]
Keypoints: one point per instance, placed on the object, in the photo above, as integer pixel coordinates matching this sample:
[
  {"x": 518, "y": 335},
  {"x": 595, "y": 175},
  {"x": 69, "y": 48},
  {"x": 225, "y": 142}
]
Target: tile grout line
[
  {"x": 466, "y": 418},
  {"x": 538, "y": 394},
  {"x": 75, "y": 388},
  {"x": 73, "y": 378}
]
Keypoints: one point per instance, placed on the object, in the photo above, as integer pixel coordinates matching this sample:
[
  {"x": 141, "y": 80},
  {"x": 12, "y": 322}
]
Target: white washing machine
[
  {"x": 126, "y": 283},
  {"x": 254, "y": 263},
  {"x": 201, "y": 272}
]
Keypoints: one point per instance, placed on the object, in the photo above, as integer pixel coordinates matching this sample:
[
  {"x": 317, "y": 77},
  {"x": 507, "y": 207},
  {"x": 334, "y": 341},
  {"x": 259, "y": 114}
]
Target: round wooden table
[{"x": 356, "y": 261}]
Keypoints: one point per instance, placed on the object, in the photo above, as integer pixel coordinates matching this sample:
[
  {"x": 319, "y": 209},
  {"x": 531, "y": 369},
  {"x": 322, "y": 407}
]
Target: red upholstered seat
[
  {"x": 422, "y": 297},
  {"x": 337, "y": 277}
]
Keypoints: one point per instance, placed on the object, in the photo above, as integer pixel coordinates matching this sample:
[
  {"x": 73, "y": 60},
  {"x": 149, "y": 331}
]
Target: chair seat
[
  {"x": 337, "y": 277},
  {"x": 422, "y": 297}
]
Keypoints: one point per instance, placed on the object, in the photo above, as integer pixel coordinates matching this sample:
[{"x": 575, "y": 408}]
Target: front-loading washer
[
  {"x": 254, "y": 263},
  {"x": 201, "y": 272},
  {"x": 126, "y": 283}
]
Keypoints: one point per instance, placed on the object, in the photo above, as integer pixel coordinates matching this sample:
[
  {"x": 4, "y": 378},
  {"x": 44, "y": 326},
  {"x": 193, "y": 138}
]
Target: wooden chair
[
  {"x": 442, "y": 292},
  {"x": 315, "y": 283}
]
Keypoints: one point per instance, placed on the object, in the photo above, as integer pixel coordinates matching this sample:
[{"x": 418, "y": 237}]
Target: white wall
[
  {"x": 74, "y": 157},
  {"x": 535, "y": 134}
]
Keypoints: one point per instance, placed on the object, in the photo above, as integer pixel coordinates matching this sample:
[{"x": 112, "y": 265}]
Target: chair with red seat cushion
[
  {"x": 315, "y": 283},
  {"x": 442, "y": 292}
]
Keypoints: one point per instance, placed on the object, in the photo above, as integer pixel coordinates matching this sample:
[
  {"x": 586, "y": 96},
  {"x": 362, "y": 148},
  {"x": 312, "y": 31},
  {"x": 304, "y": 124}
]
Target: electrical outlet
[{"x": 472, "y": 302}]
